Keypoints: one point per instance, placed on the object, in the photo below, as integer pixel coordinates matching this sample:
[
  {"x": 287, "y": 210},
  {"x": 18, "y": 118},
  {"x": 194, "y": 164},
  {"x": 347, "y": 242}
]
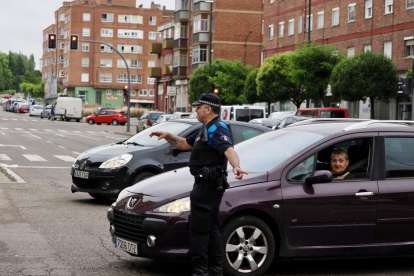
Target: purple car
[{"x": 289, "y": 205}]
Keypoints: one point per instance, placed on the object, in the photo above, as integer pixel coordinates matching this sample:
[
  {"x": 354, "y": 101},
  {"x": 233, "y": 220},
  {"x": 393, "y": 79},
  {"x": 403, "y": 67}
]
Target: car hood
[
  {"x": 179, "y": 183},
  {"x": 103, "y": 153}
]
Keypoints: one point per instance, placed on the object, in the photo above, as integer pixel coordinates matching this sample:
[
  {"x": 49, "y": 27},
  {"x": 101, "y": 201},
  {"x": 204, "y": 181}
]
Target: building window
[
  {"x": 410, "y": 4},
  {"x": 152, "y": 35},
  {"x": 108, "y": 92},
  {"x": 136, "y": 63},
  {"x": 271, "y": 1},
  {"x": 133, "y": 92},
  {"x": 124, "y": 78},
  {"x": 105, "y": 77},
  {"x": 281, "y": 29},
  {"x": 151, "y": 93},
  {"x": 367, "y": 48},
  {"x": 153, "y": 20},
  {"x": 300, "y": 24},
  {"x": 84, "y": 77},
  {"x": 335, "y": 17},
  {"x": 368, "y": 8},
  {"x": 409, "y": 47},
  {"x": 86, "y": 32},
  {"x": 291, "y": 27},
  {"x": 85, "y": 62},
  {"x": 85, "y": 47},
  {"x": 200, "y": 54},
  {"x": 351, "y": 51},
  {"x": 106, "y": 49},
  {"x": 124, "y": 18},
  {"x": 119, "y": 92},
  {"x": 107, "y": 33},
  {"x": 82, "y": 95},
  {"x": 131, "y": 34},
  {"x": 201, "y": 26},
  {"x": 151, "y": 63},
  {"x": 271, "y": 31},
  {"x": 388, "y": 48},
  {"x": 86, "y": 17},
  {"x": 61, "y": 75},
  {"x": 351, "y": 12},
  {"x": 320, "y": 21},
  {"x": 143, "y": 92},
  {"x": 107, "y": 17},
  {"x": 106, "y": 62},
  {"x": 62, "y": 45},
  {"x": 307, "y": 23},
  {"x": 151, "y": 80},
  {"x": 61, "y": 59},
  {"x": 389, "y": 6}
]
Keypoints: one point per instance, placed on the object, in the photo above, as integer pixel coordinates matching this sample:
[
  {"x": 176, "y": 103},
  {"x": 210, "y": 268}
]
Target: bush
[{"x": 88, "y": 109}]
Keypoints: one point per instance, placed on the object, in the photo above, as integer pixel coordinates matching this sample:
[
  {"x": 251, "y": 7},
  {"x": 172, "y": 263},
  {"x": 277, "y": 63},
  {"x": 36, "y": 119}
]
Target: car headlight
[
  {"x": 177, "y": 206},
  {"x": 116, "y": 162}
]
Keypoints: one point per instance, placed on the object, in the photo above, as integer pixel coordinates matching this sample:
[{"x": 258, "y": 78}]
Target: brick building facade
[{"x": 96, "y": 72}]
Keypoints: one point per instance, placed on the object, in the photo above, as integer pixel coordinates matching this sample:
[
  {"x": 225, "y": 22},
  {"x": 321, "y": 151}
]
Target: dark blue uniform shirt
[{"x": 218, "y": 138}]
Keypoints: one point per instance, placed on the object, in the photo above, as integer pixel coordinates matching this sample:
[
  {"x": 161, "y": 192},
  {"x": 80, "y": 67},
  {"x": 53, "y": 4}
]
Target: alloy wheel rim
[{"x": 246, "y": 249}]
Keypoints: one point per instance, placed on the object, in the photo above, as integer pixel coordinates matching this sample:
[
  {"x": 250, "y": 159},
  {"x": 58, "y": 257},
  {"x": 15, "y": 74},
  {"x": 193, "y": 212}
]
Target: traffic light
[
  {"x": 74, "y": 41},
  {"x": 52, "y": 41},
  {"x": 216, "y": 91},
  {"x": 126, "y": 91},
  {"x": 405, "y": 87}
]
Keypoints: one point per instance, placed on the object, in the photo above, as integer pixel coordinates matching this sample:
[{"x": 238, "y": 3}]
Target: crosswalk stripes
[
  {"x": 65, "y": 158},
  {"x": 16, "y": 128},
  {"x": 4, "y": 157},
  {"x": 33, "y": 129},
  {"x": 4, "y": 128},
  {"x": 61, "y": 130},
  {"x": 38, "y": 158},
  {"x": 33, "y": 157},
  {"x": 48, "y": 130},
  {"x": 77, "y": 131}
]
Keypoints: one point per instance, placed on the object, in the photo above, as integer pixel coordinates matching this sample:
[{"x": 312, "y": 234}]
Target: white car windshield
[
  {"x": 268, "y": 150},
  {"x": 143, "y": 138}
]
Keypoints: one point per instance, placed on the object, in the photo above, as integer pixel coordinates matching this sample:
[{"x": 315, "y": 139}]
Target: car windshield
[
  {"x": 267, "y": 151},
  {"x": 155, "y": 116},
  {"x": 143, "y": 136}
]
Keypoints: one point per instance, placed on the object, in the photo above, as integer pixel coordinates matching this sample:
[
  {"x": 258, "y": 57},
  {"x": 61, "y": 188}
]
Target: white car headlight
[
  {"x": 177, "y": 206},
  {"x": 116, "y": 162}
]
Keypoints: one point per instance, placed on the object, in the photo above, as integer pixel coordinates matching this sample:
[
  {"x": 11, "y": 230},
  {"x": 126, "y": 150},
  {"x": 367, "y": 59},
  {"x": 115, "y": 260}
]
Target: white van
[
  {"x": 242, "y": 113},
  {"x": 68, "y": 108}
]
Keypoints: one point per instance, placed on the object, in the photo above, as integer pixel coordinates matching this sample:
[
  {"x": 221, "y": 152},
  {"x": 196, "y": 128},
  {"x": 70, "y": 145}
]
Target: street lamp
[
  {"x": 245, "y": 46},
  {"x": 210, "y": 23},
  {"x": 309, "y": 24}
]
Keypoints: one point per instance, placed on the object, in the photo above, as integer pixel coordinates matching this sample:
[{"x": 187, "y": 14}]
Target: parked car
[
  {"x": 193, "y": 115},
  {"x": 242, "y": 113},
  {"x": 147, "y": 119},
  {"x": 102, "y": 108},
  {"x": 35, "y": 110},
  {"x": 180, "y": 115},
  {"x": 68, "y": 108},
  {"x": 46, "y": 112},
  {"x": 289, "y": 205},
  {"x": 114, "y": 117},
  {"x": 102, "y": 171},
  {"x": 23, "y": 108},
  {"x": 280, "y": 114},
  {"x": 162, "y": 118},
  {"x": 323, "y": 112},
  {"x": 290, "y": 120},
  {"x": 270, "y": 123}
]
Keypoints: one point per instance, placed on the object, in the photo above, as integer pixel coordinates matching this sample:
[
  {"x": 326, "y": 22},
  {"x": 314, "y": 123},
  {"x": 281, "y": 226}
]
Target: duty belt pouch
[
  {"x": 205, "y": 172},
  {"x": 200, "y": 220},
  {"x": 213, "y": 173}
]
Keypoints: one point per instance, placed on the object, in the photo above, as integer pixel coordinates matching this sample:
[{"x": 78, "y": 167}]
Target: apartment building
[
  {"x": 351, "y": 26},
  {"x": 95, "y": 71},
  {"x": 203, "y": 31}
]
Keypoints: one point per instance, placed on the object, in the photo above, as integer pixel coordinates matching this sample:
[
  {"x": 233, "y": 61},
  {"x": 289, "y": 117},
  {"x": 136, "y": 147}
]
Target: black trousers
[{"x": 205, "y": 238}]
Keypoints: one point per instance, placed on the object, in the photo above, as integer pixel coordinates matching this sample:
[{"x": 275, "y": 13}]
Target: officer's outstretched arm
[
  {"x": 234, "y": 160},
  {"x": 173, "y": 140}
]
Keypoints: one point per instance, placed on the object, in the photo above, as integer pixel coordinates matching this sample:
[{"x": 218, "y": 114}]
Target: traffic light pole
[{"x": 129, "y": 76}]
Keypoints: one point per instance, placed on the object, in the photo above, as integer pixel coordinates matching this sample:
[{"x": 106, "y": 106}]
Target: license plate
[
  {"x": 81, "y": 174},
  {"x": 127, "y": 246}
]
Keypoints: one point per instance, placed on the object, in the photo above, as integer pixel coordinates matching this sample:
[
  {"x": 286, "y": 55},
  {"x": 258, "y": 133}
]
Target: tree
[
  {"x": 274, "y": 82},
  {"x": 5, "y": 73},
  {"x": 250, "y": 87},
  {"x": 312, "y": 66},
  {"x": 367, "y": 75}
]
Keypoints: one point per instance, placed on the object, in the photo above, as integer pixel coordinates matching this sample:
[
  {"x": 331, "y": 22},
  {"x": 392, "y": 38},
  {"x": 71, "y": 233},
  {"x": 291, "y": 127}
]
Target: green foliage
[
  {"x": 250, "y": 88},
  {"x": 6, "y": 75},
  {"x": 409, "y": 73}
]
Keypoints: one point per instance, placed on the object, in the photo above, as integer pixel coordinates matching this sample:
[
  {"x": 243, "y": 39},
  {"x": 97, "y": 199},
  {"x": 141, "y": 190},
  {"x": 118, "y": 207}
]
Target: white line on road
[
  {"x": 65, "y": 158},
  {"x": 33, "y": 129},
  {"x": 75, "y": 152},
  {"x": 48, "y": 130},
  {"x": 33, "y": 135},
  {"x": 60, "y": 135},
  {"x": 90, "y": 132},
  {"x": 62, "y": 147},
  {"x": 87, "y": 137},
  {"x": 32, "y": 167},
  {"x": 4, "y": 119},
  {"x": 24, "y": 120},
  {"x": 49, "y": 141},
  {"x": 33, "y": 157},
  {"x": 22, "y": 147},
  {"x": 4, "y": 128},
  {"x": 110, "y": 137},
  {"x": 12, "y": 174},
  {"x": 4, "y": 157},
  {"x": 16, "y": 128},
  {"x": 14, "y": 119},
  {"x": 62, "y": 130},
  {"x": 77, "y": 131}
]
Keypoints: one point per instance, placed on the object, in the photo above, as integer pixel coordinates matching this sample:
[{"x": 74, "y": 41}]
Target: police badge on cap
[{"x": 209, "y": 99}]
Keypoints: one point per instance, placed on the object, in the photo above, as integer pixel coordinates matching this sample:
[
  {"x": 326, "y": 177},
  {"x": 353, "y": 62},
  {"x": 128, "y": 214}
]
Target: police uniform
[{"x": 208, "y": 165}]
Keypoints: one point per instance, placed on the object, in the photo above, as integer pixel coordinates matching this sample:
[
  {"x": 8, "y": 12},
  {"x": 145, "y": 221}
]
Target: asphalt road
[{"x": 47, "y": 230}]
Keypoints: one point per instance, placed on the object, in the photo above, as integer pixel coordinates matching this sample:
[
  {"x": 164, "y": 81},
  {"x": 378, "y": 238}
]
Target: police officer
[{"x": 212, "y": 147}]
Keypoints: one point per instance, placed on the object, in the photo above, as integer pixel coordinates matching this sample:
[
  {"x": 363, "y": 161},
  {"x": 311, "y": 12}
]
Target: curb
[
  {"x": 124, "y": 133},
  {"x": 11, "y": 174}
]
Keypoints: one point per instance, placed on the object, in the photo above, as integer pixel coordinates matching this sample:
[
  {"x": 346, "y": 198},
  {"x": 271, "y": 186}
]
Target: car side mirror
[
  {"x": 175, "y": 152},
  {"x": 317, "y": 177}
]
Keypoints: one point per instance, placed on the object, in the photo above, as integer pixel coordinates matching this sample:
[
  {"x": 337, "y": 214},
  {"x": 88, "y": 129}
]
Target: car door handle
[{"x": 365, "y": 194}]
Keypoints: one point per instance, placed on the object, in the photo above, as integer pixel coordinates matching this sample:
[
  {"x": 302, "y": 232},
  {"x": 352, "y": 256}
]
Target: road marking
[
  {"x": 88, "y": 137},
  {"x": 22, "y": 147},
  {"x": 14, "y": 119},
  {"x": 33, "y": 157},
  {"x": 16, "y": 128},
  {"x": 12, "y": 174},
  {"x": 33, "y": 120},
  {"x": 103, "y": 132},
  {"x": 75, "y": 152},
  {"x": 4, "y": 128},
  {"x": 33, "y": 135},
  {"x": 62, "y": 147},
  {"x": 33, "y": 129},
  {"x": 65, "y": 158},
  {"x": 48, "y": 130},
  {"x": 4, "y": 119},
  {"x": 49, "y": 141},
  {"x": 3, "y": 133},
  {"x": 24, "y": 120},
  {"x": 59, "y": 135},
  {"x": 4, "y": 157},
  {"x": 90, "y": 132},
  {"x": 31, "y": 167},
  {"x": 77, "y": 131},
  {"x": 110, "y": 137},
  {"x": 62, "y": 130}
]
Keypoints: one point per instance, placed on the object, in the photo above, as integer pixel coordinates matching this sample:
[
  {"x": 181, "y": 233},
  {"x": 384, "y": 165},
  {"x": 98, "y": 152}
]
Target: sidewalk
[{"x": 123, "y": 130}]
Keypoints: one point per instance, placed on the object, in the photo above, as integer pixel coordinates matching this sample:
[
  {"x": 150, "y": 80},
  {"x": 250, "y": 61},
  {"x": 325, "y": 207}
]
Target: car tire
[
  {"x": 30, "y": 115},
  {"x": 98, "y": 197},
  {"x": 235, "y": 247},
  {"x": 98, "y": 124},
  {"x": 41, "y": 117},
  {"x": 77, "y": 120},
  {"x": 91, "y": 122},
  {"x": 141, "y": 176},
  {"x": 48, "y": 117},
  {"x": 114, "y": 122},
  {"x": 122, "y": 124}
]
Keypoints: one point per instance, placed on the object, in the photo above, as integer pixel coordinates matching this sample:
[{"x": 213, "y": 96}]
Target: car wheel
[
  {"x": 41, "y": 117},
  {"x": 141, "y": 176},
  {"x": 98, "y": 124},
  {"x": 48, "y": 117},
  {"x": 30, "y": 115},
  {"x": 122, "y": 124},
  {"x": 90, "y": 121},
  {"x": 249, "y": 246},
  {"x": 78, "y": 120},
  {"x": 99, "y": 197},
  {"x": 114, "y": 122}
]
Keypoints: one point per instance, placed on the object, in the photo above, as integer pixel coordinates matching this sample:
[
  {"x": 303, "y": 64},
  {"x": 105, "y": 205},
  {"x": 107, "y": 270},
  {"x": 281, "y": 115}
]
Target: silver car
[{"x": 35, "y": 110}]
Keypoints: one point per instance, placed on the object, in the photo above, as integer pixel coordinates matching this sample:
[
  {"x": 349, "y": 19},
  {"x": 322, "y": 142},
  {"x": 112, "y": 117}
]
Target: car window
[
  {"x": 143, "y": 136},
  {"x": 399, "y": 157},
  {"x": 308, "y": 112},
  {"x": 144, "y": 116},
  {"x": 122, "y": 113},
  {"x": 185, "y": 116},
  {"x": 256, "y": 113},
  {"x": 289, "y": 121},
  {"x": 111, "y": 112},
  {"x": 242, "y": 133},
  {"x": 303, "y": 168},
  {"x": 265, "y": 151},
  {"x": 102, "y": 113},
  {"x": 155, "y": 116},
  {"x": 325, "y": 114},
  {"x": 242, "y": 115},
  {"x": 282, "y": 123}
]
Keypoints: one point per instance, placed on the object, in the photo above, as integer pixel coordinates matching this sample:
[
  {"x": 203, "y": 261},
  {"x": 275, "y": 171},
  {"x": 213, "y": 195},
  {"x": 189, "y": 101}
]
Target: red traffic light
[
  {"x": 74, "y": 39},
  {"x": 126, "y": 88},
  {"x": 52, "y": 41},
  {"x": 216, "y": 91}
]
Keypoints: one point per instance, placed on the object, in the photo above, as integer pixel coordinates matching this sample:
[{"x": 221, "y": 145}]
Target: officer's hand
[
  {"x": 159, "y": 134},
  {"x": 239, "y": 173}
]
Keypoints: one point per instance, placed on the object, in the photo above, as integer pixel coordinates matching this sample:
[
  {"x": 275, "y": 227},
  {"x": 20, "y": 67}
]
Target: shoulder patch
[{"x": 225, "y": 138}]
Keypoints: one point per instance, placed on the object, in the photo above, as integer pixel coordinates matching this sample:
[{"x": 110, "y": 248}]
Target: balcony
[
  {"x": 180, "y": 72},
  {"x": 167, "y": 69},
  {"x": 154, "y": 72},
  {"x": 201, "y": 6},
  {"x": 181, "y": 15},
  {"x": 200, "y": 37},
  {"x": 155, "y": 48},
  {"x": 168, "y": 44},
  {"x": 181, "y": 43}
]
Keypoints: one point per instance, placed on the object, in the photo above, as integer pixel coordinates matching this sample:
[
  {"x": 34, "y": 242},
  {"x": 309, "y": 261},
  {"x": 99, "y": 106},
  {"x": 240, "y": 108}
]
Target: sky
[{"x": 22, "y": 23}]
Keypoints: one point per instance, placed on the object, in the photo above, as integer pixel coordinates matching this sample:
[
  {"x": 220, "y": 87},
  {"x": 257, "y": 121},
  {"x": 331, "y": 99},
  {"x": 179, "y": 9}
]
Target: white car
[
  {"x": 35, "y": 110},
  {"x": 280, "y": 114}
]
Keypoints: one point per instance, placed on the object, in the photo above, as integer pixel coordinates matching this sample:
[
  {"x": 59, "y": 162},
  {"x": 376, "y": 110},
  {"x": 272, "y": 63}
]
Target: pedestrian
[
  {"x": 52, "y": 112},
  {"x": 212, "y": 147}
]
